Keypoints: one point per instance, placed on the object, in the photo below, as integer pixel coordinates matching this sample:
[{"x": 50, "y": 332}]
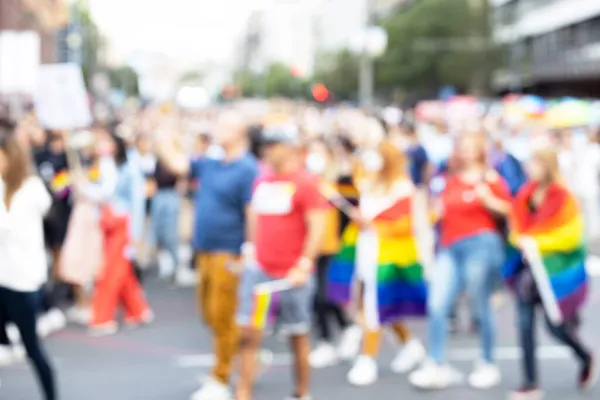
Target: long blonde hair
[
  {"x": 479, "y": 140},
  {"x": 548, "y": 159},
  {"x": 392, "y": 170}
]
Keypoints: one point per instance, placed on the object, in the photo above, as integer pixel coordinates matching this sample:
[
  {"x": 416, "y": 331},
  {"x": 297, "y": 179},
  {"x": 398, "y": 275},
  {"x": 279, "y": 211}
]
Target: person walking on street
[
  {"x": 546, "y": 215},
  {"x": 286, "y": 222},
  {"x": 221, "y": 204},
  {"x": 23, "y": 203}
]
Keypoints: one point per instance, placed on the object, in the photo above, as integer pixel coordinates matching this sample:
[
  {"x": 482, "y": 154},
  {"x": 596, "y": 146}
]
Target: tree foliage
[
  {"x": 339, "y": 73},
  {"x": 125, "y": 79},
  {"x": 91, "y": 42},
  {"x": 281, "y": 82},
  {"x": 436, "y": 43},
  {"x": 278, "y": 81},
  {"x": 191, "y": 77}
]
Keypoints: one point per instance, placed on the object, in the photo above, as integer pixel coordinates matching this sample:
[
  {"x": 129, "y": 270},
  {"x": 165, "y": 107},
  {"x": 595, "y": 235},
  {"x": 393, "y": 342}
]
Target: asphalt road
[{"x": 165, "y": 360}]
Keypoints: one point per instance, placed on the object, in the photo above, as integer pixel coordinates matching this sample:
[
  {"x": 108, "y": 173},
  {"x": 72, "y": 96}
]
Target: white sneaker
[
  {"x": 6, "y": 356},
  {"x": 107, "y": 329},
  {"x": 10, "y": 355},
  {"x": 409, "y": 357},
  {"x": 432, "y": 376},
  {"x": 185, "y": 277},
  {"x": 324, "y": 355},
  {"x": 484, "y": 376},
  {"x": 364, "y": 372},
  {"x": 350, "y": 341},
  {"x": 43, "y": 326},
  {"x": 56, "y": 320},
  {"x": 212, "y": 390},
  {"x": 13, "y": 333},
  {"x": 166, "y": 267},
  {"x": 19, "y": 353},
  {"x": 79, "y": 315}
]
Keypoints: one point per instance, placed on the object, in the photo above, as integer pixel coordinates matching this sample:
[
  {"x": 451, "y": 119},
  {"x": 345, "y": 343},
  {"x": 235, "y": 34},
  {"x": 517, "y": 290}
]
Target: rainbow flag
[
  {"x": 264, "y": 309},
  {"x": 61, "y": 182},
  {"x": 558, "y": 230},
  {"x": 401, "y": 289}
]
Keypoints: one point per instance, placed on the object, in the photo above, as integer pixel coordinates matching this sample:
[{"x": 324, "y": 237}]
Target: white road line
[{"x": 457, "y": 355}]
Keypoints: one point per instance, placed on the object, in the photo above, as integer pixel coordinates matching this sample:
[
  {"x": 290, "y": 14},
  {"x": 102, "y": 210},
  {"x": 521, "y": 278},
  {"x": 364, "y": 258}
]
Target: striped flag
[{"x": 266, "y": 300}]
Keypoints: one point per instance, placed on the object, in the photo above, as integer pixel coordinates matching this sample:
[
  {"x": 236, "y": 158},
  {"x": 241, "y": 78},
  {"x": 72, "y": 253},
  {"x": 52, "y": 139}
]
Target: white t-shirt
[{"x": 23, "y": 265}]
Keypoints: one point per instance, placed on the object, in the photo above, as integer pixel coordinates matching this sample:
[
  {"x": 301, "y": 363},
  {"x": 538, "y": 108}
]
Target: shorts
[{"x": 294, "y": 306}]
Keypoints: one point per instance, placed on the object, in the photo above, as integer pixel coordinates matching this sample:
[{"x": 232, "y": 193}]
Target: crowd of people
[{"x": 334, "y": 231}]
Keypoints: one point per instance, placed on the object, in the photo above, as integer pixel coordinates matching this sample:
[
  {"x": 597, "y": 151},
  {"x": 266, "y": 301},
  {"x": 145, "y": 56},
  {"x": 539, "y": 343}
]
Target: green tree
[
  {"x": 339, "y": 73},
  {"x": 435, "y": 43},
  {"x": 91, "y": 42},
  {"x": 125, "y": 79},
  {"x": 248, "y": 82},
  {"x": 280, "y": 81},
  {"x": 191, "y": 77}
]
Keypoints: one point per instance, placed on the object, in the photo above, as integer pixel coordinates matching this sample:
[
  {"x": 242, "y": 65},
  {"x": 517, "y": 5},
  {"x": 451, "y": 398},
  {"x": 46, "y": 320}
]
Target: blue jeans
[
  {"x": 164, "y": 212},
  {"x": 473, "y": 264}
]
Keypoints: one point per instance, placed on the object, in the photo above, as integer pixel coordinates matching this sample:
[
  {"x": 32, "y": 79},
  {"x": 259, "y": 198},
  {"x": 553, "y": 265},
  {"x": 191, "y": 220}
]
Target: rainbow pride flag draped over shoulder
[
  {"x": 557, "y": 228},
  {"x": 401, "y": 289}
]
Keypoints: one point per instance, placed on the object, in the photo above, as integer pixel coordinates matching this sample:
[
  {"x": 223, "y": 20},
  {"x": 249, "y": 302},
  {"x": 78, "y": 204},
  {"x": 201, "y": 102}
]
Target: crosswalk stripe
[{"x": 510, "y": 353}]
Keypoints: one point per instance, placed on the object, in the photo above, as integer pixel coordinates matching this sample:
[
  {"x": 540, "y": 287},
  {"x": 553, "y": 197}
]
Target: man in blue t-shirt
[
  {"x": 225, "y": 181},
  {"x": 419, "y": 166}
]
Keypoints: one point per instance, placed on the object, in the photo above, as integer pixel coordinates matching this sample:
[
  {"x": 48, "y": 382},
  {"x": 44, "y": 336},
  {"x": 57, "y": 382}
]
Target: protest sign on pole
[
  {"x": 61, "y": 100},
  {"x": 19, "y": 62}
]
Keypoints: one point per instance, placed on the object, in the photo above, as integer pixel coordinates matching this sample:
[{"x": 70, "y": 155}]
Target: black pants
[
  {"x": 566, "y": 334},
  {"x": 56, "y": 295},
  {"x": 324, "y": 309},
  {"x": 21, "y": 309},
  {"x": 4, "y": 340}
]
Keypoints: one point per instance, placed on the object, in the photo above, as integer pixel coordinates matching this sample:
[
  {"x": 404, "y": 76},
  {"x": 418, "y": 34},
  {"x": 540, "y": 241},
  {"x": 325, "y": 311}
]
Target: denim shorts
[{"x": 293, "y": 308}]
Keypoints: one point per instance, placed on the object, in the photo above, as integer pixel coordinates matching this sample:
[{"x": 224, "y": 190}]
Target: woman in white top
[{"x": 23, "y": 203}]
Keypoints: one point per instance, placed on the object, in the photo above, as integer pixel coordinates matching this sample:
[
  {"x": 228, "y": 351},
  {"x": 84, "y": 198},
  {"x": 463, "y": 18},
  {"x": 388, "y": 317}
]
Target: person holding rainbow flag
[
  {"x": 546, "y": 267},
  {"x": 382, "y": 257},
  {"x": 285, "y": 232}
]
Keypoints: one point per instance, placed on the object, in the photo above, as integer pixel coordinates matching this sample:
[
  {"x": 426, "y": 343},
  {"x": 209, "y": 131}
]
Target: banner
[{"x": 61, "y": 100}]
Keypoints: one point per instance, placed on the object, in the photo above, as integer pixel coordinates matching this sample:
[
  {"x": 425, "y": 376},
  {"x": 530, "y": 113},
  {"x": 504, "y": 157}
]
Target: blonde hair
[
  {"x": 479, "y": 140},
  {"x": 548, "y": 159},
  {"x": 394, "y": 164}
]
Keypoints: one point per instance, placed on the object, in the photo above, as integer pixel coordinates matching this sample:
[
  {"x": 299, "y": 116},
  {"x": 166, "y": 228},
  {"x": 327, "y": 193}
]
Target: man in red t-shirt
[{"x": 285, "y": 230}]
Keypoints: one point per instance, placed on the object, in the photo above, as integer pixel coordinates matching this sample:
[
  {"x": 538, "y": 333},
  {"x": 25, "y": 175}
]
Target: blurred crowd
[{"x": 328, "y": 226}]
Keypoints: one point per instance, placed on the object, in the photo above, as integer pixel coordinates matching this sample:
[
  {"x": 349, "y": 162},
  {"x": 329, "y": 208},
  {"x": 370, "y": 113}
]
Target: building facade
[
  {"x": 45, "y": 17},
  {"x": 554, "y": 46}
]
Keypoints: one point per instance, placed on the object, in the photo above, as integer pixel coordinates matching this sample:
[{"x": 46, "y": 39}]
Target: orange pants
[
  {"x": 117, "y": 284},
  {"x": 372, "y": 339},
  {"x": 217, "y": 300}
]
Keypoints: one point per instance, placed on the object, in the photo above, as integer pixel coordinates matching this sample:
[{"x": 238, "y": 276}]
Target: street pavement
[{"x": 165, "y": 361}]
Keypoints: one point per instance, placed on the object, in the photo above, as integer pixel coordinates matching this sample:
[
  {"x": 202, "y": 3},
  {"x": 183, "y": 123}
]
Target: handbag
[{"x": 82, "y": 254}]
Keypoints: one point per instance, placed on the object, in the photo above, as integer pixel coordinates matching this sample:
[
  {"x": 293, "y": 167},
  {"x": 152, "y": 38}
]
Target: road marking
[{"x": 456, "y": 355}]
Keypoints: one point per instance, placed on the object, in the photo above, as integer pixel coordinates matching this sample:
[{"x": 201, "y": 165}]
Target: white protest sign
[
  {"x": 19, "y": 61},
  {"x": 61, "y": 101}
]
